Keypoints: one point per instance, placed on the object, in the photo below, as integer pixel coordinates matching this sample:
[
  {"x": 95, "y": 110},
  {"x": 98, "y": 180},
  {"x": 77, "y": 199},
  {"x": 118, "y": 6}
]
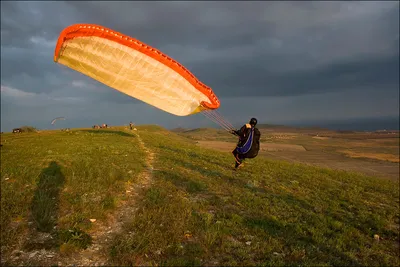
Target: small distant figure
[
  {"x": 131, "y": 125},
  {"x": 17, "y": 130},
  {"x": 248, "y": 145}
]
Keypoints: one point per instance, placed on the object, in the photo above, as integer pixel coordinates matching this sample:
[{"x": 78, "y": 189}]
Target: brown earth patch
[
  {"x": 377, "y": 156},
  {"x": 321, "y": 137}
]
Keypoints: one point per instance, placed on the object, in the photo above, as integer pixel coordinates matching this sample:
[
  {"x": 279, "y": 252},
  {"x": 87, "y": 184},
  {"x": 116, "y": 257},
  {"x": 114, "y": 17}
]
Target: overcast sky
[{"x": 280, "y": 62}]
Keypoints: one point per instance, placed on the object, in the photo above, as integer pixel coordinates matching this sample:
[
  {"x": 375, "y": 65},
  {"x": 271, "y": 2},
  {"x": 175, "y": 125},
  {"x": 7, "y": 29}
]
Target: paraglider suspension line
[{"x": 218, "y": 119}]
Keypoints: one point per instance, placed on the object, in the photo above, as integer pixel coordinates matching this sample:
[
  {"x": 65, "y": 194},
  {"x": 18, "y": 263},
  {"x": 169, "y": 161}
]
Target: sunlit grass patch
[
  {"x": 60, "y": 180},
  {"x": 158, "y": 227},
  {"x": 197, "y": 210},
  {"x": 376, "y": 156},
  {"x": 267, "y": 213},
  {"x": 74, "y": 238}
]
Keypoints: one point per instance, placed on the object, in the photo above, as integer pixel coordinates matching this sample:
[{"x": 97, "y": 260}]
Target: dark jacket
[{"x": 243, "y": 133}]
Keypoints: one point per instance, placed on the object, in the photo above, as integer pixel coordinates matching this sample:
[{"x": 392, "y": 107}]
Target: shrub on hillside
[{"x": 28, "y": 129}]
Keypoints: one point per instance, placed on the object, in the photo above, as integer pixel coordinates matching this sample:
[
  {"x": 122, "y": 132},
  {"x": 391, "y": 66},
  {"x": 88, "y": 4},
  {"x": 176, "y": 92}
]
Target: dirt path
[
  {"x": 102, "y": 233},
  {"x": 97, "y": 254}
]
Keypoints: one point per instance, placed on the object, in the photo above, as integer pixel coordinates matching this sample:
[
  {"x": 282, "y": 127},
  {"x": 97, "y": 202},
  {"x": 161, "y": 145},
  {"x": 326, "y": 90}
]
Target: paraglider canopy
[
  {"x": 133, "y": 68},
  {"x": 58, "y": 118}
]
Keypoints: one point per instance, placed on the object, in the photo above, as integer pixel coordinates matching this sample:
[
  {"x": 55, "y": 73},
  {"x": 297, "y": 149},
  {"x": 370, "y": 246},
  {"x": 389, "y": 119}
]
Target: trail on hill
[
  {"x": 103, "y": 232},
  {"x": 97, "y": 253}
]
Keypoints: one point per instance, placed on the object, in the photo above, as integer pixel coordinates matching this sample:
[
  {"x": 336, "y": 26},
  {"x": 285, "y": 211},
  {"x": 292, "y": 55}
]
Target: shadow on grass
[
  {"x": 121, "y": 133},
  {"x": 44, "y": 214},
  {"x": 44, "y": 207},
  {"x": 45, "y": 201}
]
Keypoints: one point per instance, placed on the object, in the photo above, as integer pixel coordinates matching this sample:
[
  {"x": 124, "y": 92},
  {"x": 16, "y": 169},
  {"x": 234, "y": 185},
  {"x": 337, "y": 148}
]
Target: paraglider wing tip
[{"x": 206, "y": 105}]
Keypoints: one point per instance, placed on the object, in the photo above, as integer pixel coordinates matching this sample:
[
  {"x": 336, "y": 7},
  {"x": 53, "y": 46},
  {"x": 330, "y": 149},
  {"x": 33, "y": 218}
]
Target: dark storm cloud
[
  {"x": 20, "y": 21},
  {"x": 252, "y": 80},
  {"x": 253, "y": 49},
  {"x": 211, "y": 24},
  {"x": 262, "y": 48}
]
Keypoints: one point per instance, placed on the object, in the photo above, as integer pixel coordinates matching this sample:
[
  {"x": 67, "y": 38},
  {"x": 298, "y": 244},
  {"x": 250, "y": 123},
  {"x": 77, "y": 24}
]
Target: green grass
[
  {"x": 288, "y": 214},
  {"x": 207, "y": 134},
  {"x": 60, "y": 180},
  {"x": 44, "y": 206},
  {"x": 198, "y": 210}
]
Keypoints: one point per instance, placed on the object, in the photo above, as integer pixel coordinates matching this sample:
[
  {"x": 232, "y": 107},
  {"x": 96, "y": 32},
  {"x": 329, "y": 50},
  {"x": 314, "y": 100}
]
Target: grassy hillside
[
  {"x": 195, "y": 210},
  {"x": 201, "y": 134},
  {"x": 54, "y": 181}
]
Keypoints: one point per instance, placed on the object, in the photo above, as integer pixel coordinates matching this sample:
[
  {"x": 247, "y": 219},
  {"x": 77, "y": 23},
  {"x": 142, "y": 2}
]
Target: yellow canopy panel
[{"x": 133, "y": 68}]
